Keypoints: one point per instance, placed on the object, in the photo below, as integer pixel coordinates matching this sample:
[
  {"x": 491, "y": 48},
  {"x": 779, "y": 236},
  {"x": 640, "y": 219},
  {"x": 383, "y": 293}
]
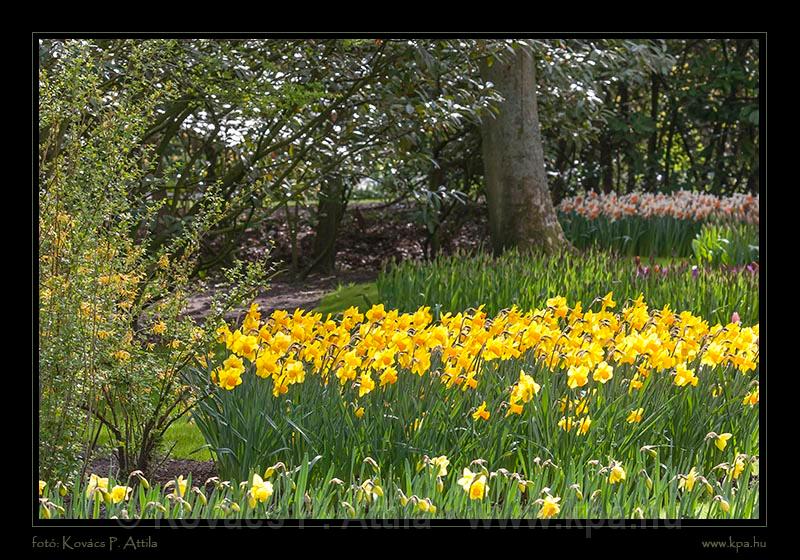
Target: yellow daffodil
[
  {"x": 260, "y": 491},
  {"x": 376, "y": 313},
  {"x": 584, "y": 424},
  {"x": 120, "y": 493},
  {"x": 440, "y": 465},
  {"x": 366, "y": 384},
  {"x": 737, "y": 468},
  {"x": 466, "y": 479},
  {"x": 635, "y": 416},
  {"x": 565, "y": 423},
  {"x": 721, "y": 441},
  {"x": 604, "y": 373},
  {"x": 577, "y": 376},
  {"x": 751, "y": 398},
  {"x": 478, "y": 489},
  {"x": 684, "y": 376},
  {"x": 481, "y": 412},
  {"x": 687, "y": 482},
  {"x": 550, "y": 507},
  {"x": 96, "y": 483},
  {"x": 617, "y": 474},
  {"x": 608, "y": 301}
]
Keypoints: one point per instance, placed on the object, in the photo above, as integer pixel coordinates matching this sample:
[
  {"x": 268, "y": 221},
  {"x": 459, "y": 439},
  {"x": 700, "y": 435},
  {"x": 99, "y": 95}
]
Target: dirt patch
[
  {"x": 370, "y": 237},
  {"x": 284, "y": 294},
  {"x": 169, "y": 470}
]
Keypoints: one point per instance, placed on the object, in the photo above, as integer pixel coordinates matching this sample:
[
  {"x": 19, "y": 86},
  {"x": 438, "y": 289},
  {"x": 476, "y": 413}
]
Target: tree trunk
[
  {"x": 652, "y": 143},
  {"x": 606, "y": 162},
  {"x": 521, "y": 213},
  {"x": 329, "y": 216}
]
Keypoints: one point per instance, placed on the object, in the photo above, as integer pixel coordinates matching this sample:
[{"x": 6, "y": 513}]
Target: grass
[
  {"x": 459, "y": 282},
  {"x": 184, "y": 435},
  {"x": 351, "y": 295}
]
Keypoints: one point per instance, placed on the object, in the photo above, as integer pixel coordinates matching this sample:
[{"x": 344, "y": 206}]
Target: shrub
[{"x": 112, "y": 337}]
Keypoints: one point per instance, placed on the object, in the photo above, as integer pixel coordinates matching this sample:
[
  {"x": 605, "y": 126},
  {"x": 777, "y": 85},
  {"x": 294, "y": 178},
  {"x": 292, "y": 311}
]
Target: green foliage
[
  {"x": 726, "y": 244},
  {"x": 461, "y": 282},
  {"x": 112, "y": 335},
  {"x": 334, "y": 497},
  {"x": 661, "y": 236}
]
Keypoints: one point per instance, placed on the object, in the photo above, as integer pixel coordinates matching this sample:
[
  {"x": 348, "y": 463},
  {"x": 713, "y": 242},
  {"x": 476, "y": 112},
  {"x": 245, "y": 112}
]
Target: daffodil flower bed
[
  {"x": 565, "y": 385},
  {"x": 431, "y": 489}
]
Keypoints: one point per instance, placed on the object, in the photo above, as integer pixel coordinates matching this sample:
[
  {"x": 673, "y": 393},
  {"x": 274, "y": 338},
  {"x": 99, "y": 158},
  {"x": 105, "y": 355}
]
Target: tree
[{"x": 521, "y": 213}]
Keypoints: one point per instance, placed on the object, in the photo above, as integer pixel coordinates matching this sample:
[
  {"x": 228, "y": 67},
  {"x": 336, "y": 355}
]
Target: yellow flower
[
  {"x": 478, "y": 489},
  {"x": 550, "y": 507},
  {"x": 481, "y": 412},
  {"x": 737, "y": 468},
  {"x": 120, "y": 493},
  {"x": 565, "y": 423},
  {"x": 607, "y": 301},
  {"x": 441, "y": 464},
  {"x": 685, "y": 376},
  {"x": 635, "y": 416},
  {"x": 426, "y": 506},
  {"x": 376, "y": 313},
  {"x": 577, "y": 376},
  {"x": 603, "y": 373},
  {"x": 260, "y": 491},
  {"x": 617, "y": 474},
  {"x": 229, "y": 378},
  {"x": 295, "y": 372},
  {"x": 359, "y": 412},
  {"x": 180, "y": 488},
  {"x": 724, "y": 505},
  {"x": 96, "y": 482},
  {"x": 253, "y": 319},
  {"x": 514, "y": 408},
  {"x": 466, "y": 479},
  {"x": 160, "y": 328},
  {"x": 42, "y": 484},
  {"x": 389, "y": 376},
  {"x": 584, "y": 424},
  {"x": 245, "y": 346},
  {"x": 122, "y": 355},
  {"x": 686, "y": 482},
  {"x": 525, "y": 389},
  {"x": 163, "y": 262},
  {"x": 721, "y": 441},
  {"x": 751, "y": 398},
  {"x": 365, "y": 383}
]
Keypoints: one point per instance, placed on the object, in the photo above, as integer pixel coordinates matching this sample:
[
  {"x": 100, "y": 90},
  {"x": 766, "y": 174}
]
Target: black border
[{"x": 590, "y": 533}]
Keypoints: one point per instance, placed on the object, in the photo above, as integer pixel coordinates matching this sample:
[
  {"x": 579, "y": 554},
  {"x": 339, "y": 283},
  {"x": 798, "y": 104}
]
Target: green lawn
[
  {"x": 183, "y": 434},
  {"x": 358, "y": 295}
]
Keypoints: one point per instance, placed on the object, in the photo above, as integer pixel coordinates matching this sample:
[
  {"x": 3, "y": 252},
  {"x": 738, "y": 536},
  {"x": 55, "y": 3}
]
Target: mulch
[{"x": 168, "y": 470}]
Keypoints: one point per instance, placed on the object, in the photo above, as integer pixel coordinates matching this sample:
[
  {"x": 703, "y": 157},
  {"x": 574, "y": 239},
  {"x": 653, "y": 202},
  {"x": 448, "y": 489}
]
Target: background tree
[{"x": 521, "y": 213}]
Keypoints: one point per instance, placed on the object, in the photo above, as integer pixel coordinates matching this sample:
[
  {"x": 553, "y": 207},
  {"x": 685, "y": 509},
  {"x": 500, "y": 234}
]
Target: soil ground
[{"x": 371, "y": 236}]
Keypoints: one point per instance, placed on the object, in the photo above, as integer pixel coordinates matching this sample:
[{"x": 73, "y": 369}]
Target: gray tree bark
[{"x": 521, "y": 212}]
